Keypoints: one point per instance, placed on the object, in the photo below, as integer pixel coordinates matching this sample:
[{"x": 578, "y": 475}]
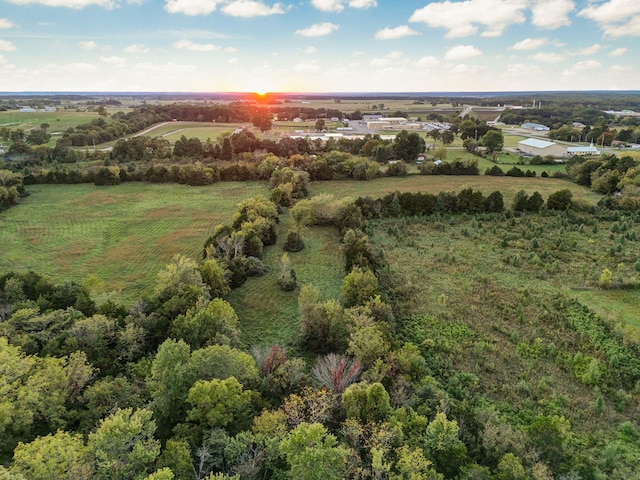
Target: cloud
[
  {"x": 461, "y": 52},
  {"x": 318, "y": 30},
  {"x": 461, "y": 19},
  {"x": 308, "y": 50},
  {"x": 233, "y": 61},
  {"x": 529, "y": 44},
  {"x": 392, "y": 58},
  {"x": 621, "y": 69},
  {"x": 185, "y": 44},
  {"x": 589, "y": 50},
  {"x": 581, "y": 67},
  {"x": 618, "y": 52},
  {"x": 191, "y": 7},
  {"x": 388, "y": 33},
  {"x": 88, "y": 45},
  {"x": 251, "y": 8},
  {"x": 339, "y": 5},
  {"x": 617, "y": 18},
  {"x": 113, "y": 60},
  {"x": 7, "y": 46},
  {"x": 74, "y": 4},
  {"x": 552, "y": 14},
  {"x": 136, "y": 48},
  {"x": 5, "y": 23},
  {"x": 547, "y": 57},
  {"x": 427, "y": 62}
]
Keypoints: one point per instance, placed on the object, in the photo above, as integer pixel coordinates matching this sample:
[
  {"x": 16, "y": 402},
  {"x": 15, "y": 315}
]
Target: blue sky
[{"x": 319, "y": 45}]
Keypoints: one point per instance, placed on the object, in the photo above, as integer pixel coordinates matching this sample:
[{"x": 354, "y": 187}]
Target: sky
[{"x": 319, "y": 45}]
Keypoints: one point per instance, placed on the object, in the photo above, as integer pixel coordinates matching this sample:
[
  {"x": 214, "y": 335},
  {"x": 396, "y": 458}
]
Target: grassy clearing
[
  {"x": 269, "y": 315},
  {"x": 438, "y": 183},
  {"x": 123, "y": 235},
  {"x": 60, "y": 120}
]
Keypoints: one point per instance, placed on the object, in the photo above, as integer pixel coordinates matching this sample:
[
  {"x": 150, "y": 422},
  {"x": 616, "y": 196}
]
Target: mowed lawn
[{"x": 122, "y": 235}]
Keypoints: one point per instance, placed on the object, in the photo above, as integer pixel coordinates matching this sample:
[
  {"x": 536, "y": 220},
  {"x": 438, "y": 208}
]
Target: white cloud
[
  {"x": 363, "y": 3},
  {"x": 547, "y": 57},
  {"x": 552, "y": 14},
  {"x": 617, "y": 18},
  {"x": 529, "y": 44},
  {"x": 589, "y": 50},
  {"x": 233, "y": 61},
  {"x": 318, "y": 30},
  {"x": 618, "y": 52},
  {"x": 461, "y": 52},
  {"x": 5, "y": 23},
  {"x": 88, "y": 44},
  {"x": 7, "y": 46},
  {"x": 621, "y": 69},
  {"x": 392, "y": 58},
  {"x": 75, "y": 68},
  {"x": 191, "y": 7},
  {"x": 251, "y": 8},
  {"x": 136, "y": 48},
  {"x": 113, "y": 60},
  {"x": 427, "y": 62},
  {"x": 185, "y": 44},
  {"x": 581, "y": 67},
  {"x": 461, "y": 19},
  {"x": 75, "y": 4},
  {"x": 339, "y": 5},
  {"x": 388, "y": 33},
  {"x": 308, "y": 50}
]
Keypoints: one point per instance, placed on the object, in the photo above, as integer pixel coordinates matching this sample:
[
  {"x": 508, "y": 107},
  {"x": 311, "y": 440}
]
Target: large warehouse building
[{"x": 534, "y": 146}]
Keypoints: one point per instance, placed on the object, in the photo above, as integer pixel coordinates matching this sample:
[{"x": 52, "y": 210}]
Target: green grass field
[
  {"x": 438, "y": 183},
  {"x": 59, "y": 121},
  {"x": 123, "y": 235}
]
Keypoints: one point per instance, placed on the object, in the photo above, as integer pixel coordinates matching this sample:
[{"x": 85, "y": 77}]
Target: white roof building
[
  {"x": 535, "y": 146},
  {"x": 590, "y": 150}
]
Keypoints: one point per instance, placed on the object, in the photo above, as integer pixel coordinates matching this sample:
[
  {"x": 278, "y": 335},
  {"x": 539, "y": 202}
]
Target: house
[
  {"x": 583, "y": 151},
  {"x": 534, "y": 146},
  {"x": 535, "y": 126}
]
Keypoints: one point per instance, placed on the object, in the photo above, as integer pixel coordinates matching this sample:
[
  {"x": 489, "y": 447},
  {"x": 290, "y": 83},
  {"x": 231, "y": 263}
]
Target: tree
[
  {"x": 220, "y": 404},
  {"x": 447, "y": 137},
  {"x": 215, "y": 323},
  {"x": 493, "y": 140},
  {"x": 446, "y": 450},
  {"x": 313, "y": 453},
  {"x": 61, "y": 455},
  {"x": 123, "y": 446},
  {"x": 262, "y": 120},
  {"x": 320, "y": 125},
  {"x": 366, "y": 403},
  {"x": 358, "y": 286},
  {"x": 560, "y": 200},
  {"x": 407, "y": 146},
  {"x": 227, "y": 149}
]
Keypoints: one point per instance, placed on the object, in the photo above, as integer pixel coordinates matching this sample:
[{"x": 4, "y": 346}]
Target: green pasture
[
  {"x": 59, "y": 121},
  {"x": 122, "y": 235},
  {"x": 438, "y": 183}
]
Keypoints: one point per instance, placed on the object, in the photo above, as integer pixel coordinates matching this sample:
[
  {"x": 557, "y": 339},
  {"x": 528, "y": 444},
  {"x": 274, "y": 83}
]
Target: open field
[
  {"x": 123, "y": 235},
  {"x": 438, "y": 183},
  {"x": 60, "y": 120}
]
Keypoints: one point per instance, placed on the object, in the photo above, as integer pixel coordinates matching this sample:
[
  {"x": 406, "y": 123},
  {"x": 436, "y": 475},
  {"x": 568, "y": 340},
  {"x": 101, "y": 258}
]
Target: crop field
[
  {"x": 120, "y": 236},
  {"x": 59, "y": 121}
]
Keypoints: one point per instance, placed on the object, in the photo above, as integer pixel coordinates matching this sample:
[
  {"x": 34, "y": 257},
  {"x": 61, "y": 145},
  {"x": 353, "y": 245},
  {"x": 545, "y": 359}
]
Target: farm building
[
  {"x": 534, "y": 146},
  {"x": 582, "y": 151}
]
